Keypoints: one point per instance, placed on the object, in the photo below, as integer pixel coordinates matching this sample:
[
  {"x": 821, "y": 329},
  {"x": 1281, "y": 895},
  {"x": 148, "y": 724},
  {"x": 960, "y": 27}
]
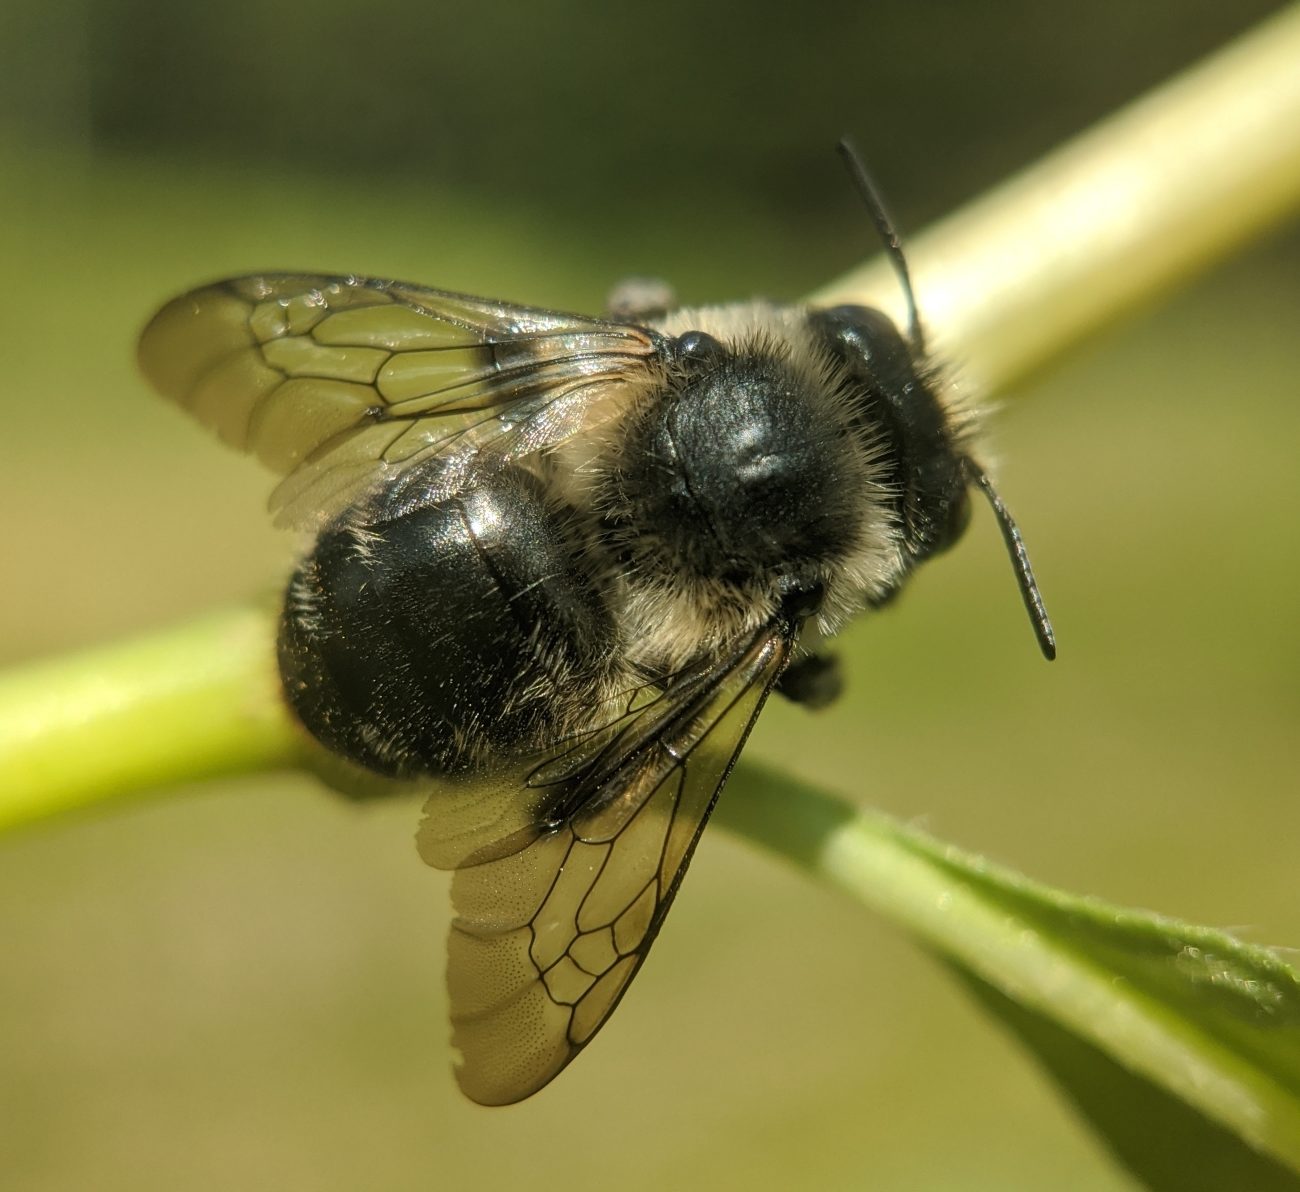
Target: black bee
[{"x": 559, "y": 565}]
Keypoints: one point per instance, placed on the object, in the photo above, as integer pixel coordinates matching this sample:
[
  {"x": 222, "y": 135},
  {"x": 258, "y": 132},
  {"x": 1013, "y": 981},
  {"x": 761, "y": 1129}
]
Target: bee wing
[
  {"x": 547, "y": 938},
  {"x": 335, "y": 382}
]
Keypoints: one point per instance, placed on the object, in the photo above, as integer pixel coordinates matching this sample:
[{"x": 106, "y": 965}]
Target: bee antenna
[
  {"x": 875, "y": 205},
  {"x": 1029, "y": 592}
]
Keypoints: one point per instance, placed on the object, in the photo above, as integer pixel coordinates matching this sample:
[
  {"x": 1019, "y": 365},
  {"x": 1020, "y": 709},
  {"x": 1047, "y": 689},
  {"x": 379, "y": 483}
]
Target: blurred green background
[{"x": 242, "y": 987}]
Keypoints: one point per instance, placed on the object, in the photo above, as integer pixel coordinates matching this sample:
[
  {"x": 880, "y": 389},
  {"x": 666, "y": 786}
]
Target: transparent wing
[
  {"x": 547, "y": 938},
  {"x": 335, "y": 382}
]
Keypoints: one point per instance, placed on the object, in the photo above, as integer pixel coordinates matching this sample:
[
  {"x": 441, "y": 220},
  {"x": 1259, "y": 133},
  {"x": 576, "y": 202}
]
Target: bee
[{"x": 558, "y": 565}]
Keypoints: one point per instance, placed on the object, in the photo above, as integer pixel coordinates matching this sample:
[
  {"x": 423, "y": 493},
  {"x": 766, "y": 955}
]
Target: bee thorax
[{"x": 740, "y": 476}]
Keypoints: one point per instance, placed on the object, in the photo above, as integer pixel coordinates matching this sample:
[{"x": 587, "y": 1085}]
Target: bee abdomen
[{"x": 430, "y": 638}]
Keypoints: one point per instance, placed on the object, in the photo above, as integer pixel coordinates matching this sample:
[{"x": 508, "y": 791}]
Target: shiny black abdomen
[{"x": 425, "y": 637}]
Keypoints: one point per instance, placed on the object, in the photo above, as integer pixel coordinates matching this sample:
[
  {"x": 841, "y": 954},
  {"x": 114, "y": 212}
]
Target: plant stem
[{"x": 121, "y": 721}]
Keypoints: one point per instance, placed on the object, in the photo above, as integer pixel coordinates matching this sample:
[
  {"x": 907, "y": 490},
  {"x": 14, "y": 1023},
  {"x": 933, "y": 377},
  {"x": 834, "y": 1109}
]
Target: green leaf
[
  {"x": 1180, "y": 1044},
  {"x": 1169, "y": 1145}
]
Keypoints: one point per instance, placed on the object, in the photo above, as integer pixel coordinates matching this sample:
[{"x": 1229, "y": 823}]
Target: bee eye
[{"x": 699, "y": 351}]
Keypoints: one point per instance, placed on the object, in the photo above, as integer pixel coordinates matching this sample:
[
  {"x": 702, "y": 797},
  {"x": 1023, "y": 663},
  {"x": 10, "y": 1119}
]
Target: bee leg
[
  {"x": 815, "y": 680},
  {"x": 640, "y": 299}
]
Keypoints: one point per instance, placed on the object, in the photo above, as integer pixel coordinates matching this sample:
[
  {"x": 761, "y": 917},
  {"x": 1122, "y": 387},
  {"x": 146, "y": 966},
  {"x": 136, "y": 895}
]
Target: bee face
[{"x": 560, "y": 564}]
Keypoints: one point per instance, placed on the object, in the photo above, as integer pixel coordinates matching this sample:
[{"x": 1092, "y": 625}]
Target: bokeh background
[{"x": 241, "y": 985}]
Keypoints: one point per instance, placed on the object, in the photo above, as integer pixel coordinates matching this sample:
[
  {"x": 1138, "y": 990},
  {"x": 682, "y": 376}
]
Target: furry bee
[{"x": 559, "y": 563}]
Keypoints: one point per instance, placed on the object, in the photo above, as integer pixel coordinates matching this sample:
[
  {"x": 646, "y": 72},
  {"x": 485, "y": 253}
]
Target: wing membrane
[
  {"x": 547, "y": 938},
  {"x": 336, "y": 381},
  {"x": 564, "y": 869}
]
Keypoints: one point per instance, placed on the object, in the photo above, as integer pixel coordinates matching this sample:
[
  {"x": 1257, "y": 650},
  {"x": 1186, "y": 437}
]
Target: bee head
[
  {"x": 938, "y": 470},
  {"x": 898, "y": 413},
  {"x": 922, "y": 444}
]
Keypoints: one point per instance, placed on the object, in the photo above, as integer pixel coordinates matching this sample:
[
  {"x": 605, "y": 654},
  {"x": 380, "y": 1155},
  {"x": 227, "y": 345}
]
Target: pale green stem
[{"x": 138, "y": 717}]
